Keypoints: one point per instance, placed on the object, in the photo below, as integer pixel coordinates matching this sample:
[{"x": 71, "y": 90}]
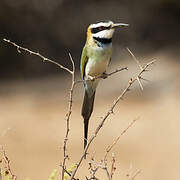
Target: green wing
[{"x": 84, "y": 59}]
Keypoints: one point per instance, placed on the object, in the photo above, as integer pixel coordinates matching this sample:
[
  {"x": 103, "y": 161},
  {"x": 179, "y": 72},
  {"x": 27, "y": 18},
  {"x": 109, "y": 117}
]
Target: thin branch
[
  {"x": 68, "y": 173},
  {"x": 93, "y": 171},
  {"x": 19, "y": 48},
  {"x": 68, "y": 115},
  {"x": 6, "y": 160},
  {"x": 113, "y": 168},
  {"x": 140, "y": 84},
  {"x": 147, "y": 80},
  {"x": 106, "y": 75},
  {"x": 134, "y": 57},
  {"x": 94, "y": 166},
  {"x": 103, "y": 76},
  {"x": 109, "y": 112},
  {"x": 140, "y": 67},
  {"x": 117, "y": 70},
  {"x": 109, "y": 148},
  {"x": 107, "y": 173}
]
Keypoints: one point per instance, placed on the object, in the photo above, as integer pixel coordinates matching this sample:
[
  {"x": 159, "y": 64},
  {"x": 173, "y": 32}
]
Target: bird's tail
[{"x": 86, "y": 112}]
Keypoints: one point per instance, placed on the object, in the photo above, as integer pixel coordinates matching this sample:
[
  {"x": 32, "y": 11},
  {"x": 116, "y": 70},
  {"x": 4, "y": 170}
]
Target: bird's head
[{"x": 102, "y": 32}]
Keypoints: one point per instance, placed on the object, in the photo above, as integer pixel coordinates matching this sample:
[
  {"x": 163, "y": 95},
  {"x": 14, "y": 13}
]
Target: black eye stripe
[
  {"x": 98, "y": 29},
  {"x": 95, "y": 30}
]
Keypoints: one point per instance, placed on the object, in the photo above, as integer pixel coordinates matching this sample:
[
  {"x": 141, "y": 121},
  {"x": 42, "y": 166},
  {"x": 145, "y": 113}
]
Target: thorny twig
[
  {"x": 110, "y": 111},
  {"x": 106, "y": 170},
  {"x": 20, "y": 48},
  {"x": 113, "y": 168},
  {"x": 68, "y": 173},
  {"x": 93, "y": 171},
  {"x": 139, "y": 78},
  {"x": 103, "y": 76},
  {"x": 134, "y": 57},
  {"x": 94, "y": 166},
  {"x": 6, "y": 160},
  {"x": 68, "y": 114}
]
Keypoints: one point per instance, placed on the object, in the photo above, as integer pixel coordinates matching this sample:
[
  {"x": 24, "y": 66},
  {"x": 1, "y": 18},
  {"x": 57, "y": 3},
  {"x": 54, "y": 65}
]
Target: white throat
[{"x": 107, "y": 33}]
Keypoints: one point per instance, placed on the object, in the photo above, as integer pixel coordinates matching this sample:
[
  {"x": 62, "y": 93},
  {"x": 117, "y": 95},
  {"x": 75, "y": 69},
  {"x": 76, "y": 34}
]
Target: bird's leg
[{"x": 104, "y": 75}]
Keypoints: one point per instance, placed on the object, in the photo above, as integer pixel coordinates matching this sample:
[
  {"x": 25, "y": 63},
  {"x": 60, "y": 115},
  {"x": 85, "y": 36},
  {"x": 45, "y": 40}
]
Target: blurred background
[{"x": 34, "y": 95}]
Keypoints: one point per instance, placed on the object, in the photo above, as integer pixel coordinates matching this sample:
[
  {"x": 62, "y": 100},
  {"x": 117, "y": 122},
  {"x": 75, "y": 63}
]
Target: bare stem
[
  {"x": 134, "y": 57},
  {"x": 19, "y": 48},
  {"x": 6, "y": 160},
  {"x": 113, "y": 168},
  {"x": 68, "y": 115},
  {"x": 94, "y": 167}
]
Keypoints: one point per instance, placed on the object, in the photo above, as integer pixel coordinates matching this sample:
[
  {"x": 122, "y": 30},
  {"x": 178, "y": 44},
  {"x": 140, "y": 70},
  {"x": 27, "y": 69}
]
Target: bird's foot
[
  {"x": 104, "y": 75},
  {"x": 91, "y": 78}
]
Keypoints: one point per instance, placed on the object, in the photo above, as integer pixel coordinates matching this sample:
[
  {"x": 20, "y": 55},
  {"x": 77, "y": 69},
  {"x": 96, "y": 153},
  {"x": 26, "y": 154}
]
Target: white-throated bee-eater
[{"x": 95, "y": 59}]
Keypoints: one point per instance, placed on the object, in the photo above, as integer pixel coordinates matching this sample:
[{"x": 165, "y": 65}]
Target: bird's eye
[{"x": 101, "y": 28}]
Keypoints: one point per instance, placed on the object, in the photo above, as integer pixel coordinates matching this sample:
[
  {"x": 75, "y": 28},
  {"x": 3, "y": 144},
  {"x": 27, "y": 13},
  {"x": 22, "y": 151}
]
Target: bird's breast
[{"x": 98, "y": 61}]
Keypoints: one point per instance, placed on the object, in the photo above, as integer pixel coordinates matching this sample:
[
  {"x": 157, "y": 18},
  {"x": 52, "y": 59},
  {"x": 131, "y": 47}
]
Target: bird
[{"x": 95, "y": 58}]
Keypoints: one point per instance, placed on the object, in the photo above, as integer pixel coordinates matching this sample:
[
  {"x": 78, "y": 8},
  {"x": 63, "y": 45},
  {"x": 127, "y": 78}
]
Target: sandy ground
[{"x": 32, "y": 118}]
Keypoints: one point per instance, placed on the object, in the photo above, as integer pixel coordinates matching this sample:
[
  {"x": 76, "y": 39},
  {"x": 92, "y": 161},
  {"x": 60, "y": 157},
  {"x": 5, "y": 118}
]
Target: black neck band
[{"x": 103, "y": 40}]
